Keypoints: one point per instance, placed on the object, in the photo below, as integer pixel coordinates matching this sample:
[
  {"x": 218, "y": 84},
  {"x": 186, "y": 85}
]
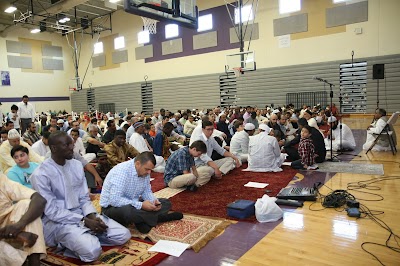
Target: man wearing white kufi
[
  {"x": 240, "y": 142},
  {"x": 347, "y": 143},
  {"x": 264, "y": 152}
]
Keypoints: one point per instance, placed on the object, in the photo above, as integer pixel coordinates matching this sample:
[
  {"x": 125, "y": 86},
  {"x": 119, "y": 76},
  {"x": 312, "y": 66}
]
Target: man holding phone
[{"x": 127, "y": 198}]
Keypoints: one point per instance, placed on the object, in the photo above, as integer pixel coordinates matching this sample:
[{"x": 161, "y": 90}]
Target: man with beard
[{"x": 340, "y": 140}]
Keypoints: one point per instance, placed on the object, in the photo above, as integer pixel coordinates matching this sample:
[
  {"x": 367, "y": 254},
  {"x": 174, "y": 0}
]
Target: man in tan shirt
[
  {"x": 118, "y": 150},
  {"x": 21, "y": 230},
  {"x": 14, "y": 139}
]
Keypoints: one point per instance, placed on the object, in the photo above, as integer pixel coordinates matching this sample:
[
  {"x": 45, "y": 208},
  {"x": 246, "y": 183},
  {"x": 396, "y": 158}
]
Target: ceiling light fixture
[
  {"x": 10, "y": 9},
  {"x": 35, "y": 31},
  {"x": 114, "y": 1}
]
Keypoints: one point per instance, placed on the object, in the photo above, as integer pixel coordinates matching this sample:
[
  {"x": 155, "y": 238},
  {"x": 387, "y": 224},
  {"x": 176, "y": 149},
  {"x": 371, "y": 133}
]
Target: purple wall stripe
[
  {"x": 35, "y": 99},
  {"x": 222, "y": 24}
]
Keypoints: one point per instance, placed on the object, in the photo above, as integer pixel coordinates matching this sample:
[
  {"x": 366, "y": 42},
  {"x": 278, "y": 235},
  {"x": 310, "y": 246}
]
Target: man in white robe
[
  {"x": 264, "y": 152},
  {"x": 347, "y": 143},
  {"x": 41, "y": 146},
  {"x": 70, "y": 222},
  {"x": 240, "y": 142},
  {"x": 138, "y": 142},
  {"x": 373, "y": 131}
]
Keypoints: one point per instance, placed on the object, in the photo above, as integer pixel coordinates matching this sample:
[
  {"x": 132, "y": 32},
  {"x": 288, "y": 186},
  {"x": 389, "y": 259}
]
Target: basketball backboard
[
  {"x": 244, "y": 60},
  {"x": 181, "y": 12}
]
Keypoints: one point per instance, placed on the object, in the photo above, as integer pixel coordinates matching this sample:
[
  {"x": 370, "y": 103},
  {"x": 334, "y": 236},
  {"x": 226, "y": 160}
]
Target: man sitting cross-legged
[
  {"x": 70, "y": 221},
  {"x": 181, "y": 171},
  {"x": 21, "y": 172},
  {"x": 126, "y": 195},
  {"x": 14, "y": 139},
  {"x": 118, "y": 150},
  {"x": 21, "y": 231},
  {"x": 240, "y": 142},
  {"x": 162, "y": 144},
  {"x": 264, "y": 152},
  {"x": 206, "y": 166},
  {"x": 139, "y": 143}
]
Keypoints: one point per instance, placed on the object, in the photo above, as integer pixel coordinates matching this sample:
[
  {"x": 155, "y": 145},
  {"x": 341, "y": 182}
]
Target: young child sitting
[
  {"x": 306, "y": 151},
  {"x": 21, "y": 172}
]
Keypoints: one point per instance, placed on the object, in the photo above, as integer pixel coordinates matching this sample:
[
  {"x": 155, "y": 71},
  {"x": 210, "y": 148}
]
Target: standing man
[
  {"x": 180, "y": 170},
  {"x": 70, "y": 221},
  {"x": 26, "y": 112},
  {"x": 126, "y": 195}
]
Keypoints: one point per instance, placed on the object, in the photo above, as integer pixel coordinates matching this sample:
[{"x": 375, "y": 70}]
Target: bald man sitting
[{"x": 14, "y": 139}]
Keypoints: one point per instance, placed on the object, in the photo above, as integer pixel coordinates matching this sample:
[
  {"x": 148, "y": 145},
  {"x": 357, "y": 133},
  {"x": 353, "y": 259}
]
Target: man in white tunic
[
  {"x": 240, "y": 142},
  {"x": 138, "y": 142},
  {"x": 41, "y": 147},
  {"x": 70, "y": 222},
  {"x": 264, "y": 152},
  {"x": 347, "y": 143},
  {"x": 373, "y": 131}
]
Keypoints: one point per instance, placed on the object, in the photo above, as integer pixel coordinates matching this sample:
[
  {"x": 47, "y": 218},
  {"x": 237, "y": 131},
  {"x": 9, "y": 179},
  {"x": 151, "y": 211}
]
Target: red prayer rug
[
  {"x": 212, "y": 198},
  {"x": 194, "y": 230},
  {"x": 134, "y": 252}
]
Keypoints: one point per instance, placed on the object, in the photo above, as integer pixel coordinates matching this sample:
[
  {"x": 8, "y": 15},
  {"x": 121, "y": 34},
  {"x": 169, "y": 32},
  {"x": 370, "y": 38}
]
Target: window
[
  {"x": 143, "y": 37},
  {"x": 205, "y": 23},
  {"x": 119, "y": 42},
  {"x": 98, "y": 48},
  {"x": 289, "y": 6},
  {"x": 171, "y": 31},
  {"x": 247, "y": 14}
]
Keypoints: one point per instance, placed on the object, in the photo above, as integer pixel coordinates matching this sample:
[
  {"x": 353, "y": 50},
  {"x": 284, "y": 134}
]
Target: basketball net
[
  {"x": 237, "y": 71},
  {"x": 150, "y": 25}
]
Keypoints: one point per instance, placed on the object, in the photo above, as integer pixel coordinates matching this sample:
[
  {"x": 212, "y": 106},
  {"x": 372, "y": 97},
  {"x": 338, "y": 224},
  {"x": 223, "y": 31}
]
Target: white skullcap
[
  {"x": 276, "y": 111},
  {"x": 13, "y": 134},
  {"x": 135, "y": 113},
  {"x": 60, "y": 121},
  {"x": 265, "y": 128},
  {"x": 268, "y": 108},
  {"x": 332, "y": 119},
  {"x": 249, "y": 126},
  {"x": 313, "y": 123}
]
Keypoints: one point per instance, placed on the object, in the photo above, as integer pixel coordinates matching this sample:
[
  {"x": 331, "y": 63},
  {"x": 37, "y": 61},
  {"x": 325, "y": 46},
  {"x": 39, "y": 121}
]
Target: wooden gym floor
[{"x": 330, "y": 237}]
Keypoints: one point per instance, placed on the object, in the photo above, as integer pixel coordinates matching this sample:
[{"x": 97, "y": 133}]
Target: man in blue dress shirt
[{"x": 126, "y": 195}]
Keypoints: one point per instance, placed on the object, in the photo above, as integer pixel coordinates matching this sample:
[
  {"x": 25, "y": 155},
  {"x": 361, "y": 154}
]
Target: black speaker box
[
  {"x": 84, "y": 23},
  {"x": 378, "y": 71}
]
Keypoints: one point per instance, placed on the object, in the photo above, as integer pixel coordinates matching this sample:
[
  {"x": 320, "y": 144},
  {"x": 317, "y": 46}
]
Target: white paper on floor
[
  {"x": 172, "y": 248},
  {"x": 256, "y": 184}
]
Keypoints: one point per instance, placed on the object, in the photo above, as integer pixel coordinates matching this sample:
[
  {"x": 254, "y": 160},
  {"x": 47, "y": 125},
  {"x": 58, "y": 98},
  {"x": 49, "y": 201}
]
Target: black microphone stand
[
  {"x": 333, "y": 158},
  {"x": 340, "y": 151}
]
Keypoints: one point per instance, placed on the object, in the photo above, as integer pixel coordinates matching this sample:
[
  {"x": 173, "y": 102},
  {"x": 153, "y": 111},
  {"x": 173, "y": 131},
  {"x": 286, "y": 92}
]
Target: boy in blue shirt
[{"x": 21, "y": 172}]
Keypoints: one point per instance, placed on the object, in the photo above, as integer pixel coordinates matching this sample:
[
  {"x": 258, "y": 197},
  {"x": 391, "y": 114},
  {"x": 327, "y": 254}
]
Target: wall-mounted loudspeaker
[{"x": 378, "y": 71}]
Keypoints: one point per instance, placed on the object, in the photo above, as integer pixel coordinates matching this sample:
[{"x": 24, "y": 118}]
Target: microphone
[{"x": 319, "y": 79}]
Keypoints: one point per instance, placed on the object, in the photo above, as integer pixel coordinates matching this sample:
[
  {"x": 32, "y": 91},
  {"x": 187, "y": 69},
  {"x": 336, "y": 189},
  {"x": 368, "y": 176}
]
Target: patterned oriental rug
[
  {"x": 354, "y": 168},
  {"x": 132, "y": 253},
  {"x": 194, "y": 230},
  {"x": 212, "y": 199}
]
